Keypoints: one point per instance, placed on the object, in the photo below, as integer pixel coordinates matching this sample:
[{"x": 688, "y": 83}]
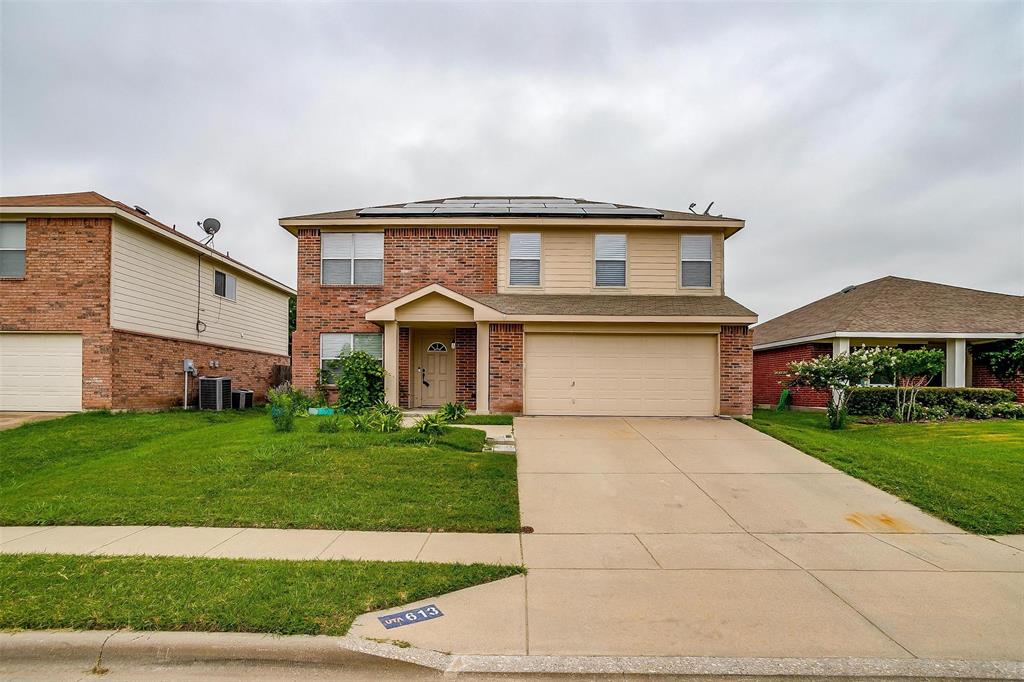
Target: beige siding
[
  {"x": 567, "y": 265},
  {"x": 154, "y": 291},
  {"x": 436, "y": 308}
]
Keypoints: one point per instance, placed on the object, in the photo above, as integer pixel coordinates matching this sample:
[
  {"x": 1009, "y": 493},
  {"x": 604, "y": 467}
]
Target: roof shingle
[
  {"x": 604, "y": 304},
  {"x": 901, "y": 306}
]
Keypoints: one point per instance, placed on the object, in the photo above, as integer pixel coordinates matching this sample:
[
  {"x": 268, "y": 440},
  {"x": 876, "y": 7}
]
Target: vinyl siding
[
  {"x": 153, "y": 291},
  {"x": 567, "y": 263}
]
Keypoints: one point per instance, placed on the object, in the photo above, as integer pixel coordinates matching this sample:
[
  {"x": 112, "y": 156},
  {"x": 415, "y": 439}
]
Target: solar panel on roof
[
  {"x": 477, "y": 201},
  {"x": 475, "y": 210},
  {"x": 547, "y": 210},
  {"x": 624, "y": 212}
]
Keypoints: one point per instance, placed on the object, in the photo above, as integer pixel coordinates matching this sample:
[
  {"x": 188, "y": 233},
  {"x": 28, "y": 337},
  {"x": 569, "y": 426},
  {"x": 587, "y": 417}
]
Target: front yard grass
[
  {"x": 487, "y": 419},
  {"x": 970, "y": 473},
  {"x": 233, "y": 469},
  {"x": 44, "y": 591}
]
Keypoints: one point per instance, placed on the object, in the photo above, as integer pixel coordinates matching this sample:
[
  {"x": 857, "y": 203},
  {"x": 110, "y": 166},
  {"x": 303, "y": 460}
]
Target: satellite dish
[{"x": 211, "y": 226}]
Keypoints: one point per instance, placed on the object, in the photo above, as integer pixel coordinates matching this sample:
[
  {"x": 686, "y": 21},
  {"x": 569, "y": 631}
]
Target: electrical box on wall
[{"x": 188, "y": 366}]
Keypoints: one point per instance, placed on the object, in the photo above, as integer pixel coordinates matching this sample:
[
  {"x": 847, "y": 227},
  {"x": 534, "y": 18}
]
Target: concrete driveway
[{"x": 703, "y": 537}]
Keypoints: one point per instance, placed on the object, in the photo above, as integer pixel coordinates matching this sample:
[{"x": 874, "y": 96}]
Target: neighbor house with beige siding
[
  {"x": 102, "y": 304},
  {"x": 536, "y": 305}
]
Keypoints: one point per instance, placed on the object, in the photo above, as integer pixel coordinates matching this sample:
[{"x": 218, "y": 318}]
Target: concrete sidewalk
[
  {"x": 263, "y": 543},
  {"x": 705, "y": 538}
]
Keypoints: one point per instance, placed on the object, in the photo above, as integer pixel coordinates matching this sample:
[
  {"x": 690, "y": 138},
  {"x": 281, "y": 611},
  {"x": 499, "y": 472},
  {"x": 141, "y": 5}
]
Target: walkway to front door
[{"x": 434, "y": 368}]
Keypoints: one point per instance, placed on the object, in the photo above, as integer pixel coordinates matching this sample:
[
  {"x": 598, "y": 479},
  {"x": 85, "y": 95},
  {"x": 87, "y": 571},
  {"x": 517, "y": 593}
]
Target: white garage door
[
  {"x": 621, "y": 374},
  {"x": 41, "y": 372}
]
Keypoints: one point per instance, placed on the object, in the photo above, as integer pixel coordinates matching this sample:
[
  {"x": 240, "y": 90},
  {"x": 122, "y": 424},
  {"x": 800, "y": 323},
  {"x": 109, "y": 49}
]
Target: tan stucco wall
[
  {"x": 154, "y": 291},
  {"x": 652, "y": 267}
]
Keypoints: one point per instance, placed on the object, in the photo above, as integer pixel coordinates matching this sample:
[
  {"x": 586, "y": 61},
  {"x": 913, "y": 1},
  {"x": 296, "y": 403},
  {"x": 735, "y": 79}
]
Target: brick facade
[
  {"x": 506, "y": 368},
  {"x": 147, "y": 370},
  {"x": 462, "y": 259},
  {"x": 403, "y": 367},
  {"x": 66, "y": 288},
  {"x": 767, "y": 363},
  {"x": 465, "y": 366},
  {"x": 982, "y": 377},
  {"x": 735, "y": 366}
]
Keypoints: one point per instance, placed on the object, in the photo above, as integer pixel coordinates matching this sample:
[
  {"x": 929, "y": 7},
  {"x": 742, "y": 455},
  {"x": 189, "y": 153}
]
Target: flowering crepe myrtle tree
[
  {"x": 911, "y": 371},
  {"x": 838, "y": 375}
]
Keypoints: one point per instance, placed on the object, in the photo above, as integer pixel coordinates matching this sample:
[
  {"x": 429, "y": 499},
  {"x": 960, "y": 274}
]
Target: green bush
[
  {"x": 452, "y": 412},
  {"x": 381, "y": 418},
  {"x": 384, "y": 407},
  {"x": 328, "y": 425},
  {"x": 936, "y": 413},
  {"x": 283, "y": 404},
  {"x": 969, "y": 409},
  {"x": 361, "y": 421},
  {"x": 880, "y": 401},
  {"x": 360, "y": 380},
  {"x": 1008, "y": 410},
  {"x": 431, "y": 424}
]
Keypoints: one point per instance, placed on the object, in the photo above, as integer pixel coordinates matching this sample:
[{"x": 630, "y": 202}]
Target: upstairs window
[
  {"x": 695, "y": 260},
  {"x": 333, "y": 346},
  {"x": 12, "y": 249},
  {"x": 224, "y": 285},
  {"x": 352, "y": 258},
  {"x": 610, "y": 260},
  {"x": 524, "y": 259}
]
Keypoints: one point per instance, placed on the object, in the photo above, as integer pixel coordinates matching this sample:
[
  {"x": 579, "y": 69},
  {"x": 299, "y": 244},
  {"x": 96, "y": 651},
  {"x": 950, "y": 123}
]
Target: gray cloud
[{"x": 857, "y": 140}]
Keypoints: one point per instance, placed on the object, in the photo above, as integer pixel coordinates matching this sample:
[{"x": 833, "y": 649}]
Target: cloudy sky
[{"x": 857, "y": 140}]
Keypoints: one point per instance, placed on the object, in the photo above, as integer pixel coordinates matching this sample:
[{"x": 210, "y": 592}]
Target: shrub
[
  {"x": 328, "y": 425},
  {"x": 283, "y": 405},
  {"x": 360, "y": 380},
  {"x": 431, "y": 425},
  {"x": 837, "y": 374},
  {"x": 933, "y": 413},
  {"x": 969, "y": 409},
  {"x": 1008, "y": 410},
  {"x": 361, "y": 421},
  {"x": 381, "y": 418},
  {"x": 880, "y": 401},
  {"x": 453, "y": 412},
  {"x": 384, "y": 407}
]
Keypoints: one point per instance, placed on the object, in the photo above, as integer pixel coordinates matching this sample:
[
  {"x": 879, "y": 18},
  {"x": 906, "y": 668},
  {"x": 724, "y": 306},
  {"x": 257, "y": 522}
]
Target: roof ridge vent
[{"x": 848, "y": 289}]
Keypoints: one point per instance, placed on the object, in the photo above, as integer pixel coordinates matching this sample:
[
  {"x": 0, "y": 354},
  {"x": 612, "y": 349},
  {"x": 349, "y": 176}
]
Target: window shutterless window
[
  {"x": 610, "y": 260},
  {"x": 12, "y": 249},
  {"x": 332, "y": 346},
  {"x": 524, "y": 259},
  {"x": 695, "y": 260},
  {"x": 224, "y": 284},
  {"x": 352, "y": 258}
]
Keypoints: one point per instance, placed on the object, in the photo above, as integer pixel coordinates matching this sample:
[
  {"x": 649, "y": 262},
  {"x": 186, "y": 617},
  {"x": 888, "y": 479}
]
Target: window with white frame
[
  {"x": 224, "y": 285},
  {"x": 695, "y": 260},
  {"x": 610, "y": 260},
  {"x": 12, "y": 249},
  {"x": 352, "y": 258},
  {"x": 333, "y": 346},
  {"x": 524, "y": 259}
]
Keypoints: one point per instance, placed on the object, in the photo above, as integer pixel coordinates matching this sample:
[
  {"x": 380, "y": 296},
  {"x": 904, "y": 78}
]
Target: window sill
[{"x": 12, "y": 279}]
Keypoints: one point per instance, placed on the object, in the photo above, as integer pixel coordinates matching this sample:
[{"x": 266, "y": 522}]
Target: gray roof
[
  {"x": 901, "y": 306},
  {"x": 604, "y": 304},
  {"x": 510, "y": 206}
]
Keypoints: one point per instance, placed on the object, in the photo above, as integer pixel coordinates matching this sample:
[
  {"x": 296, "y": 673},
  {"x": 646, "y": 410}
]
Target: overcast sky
[{"x": 856, "y": 140}]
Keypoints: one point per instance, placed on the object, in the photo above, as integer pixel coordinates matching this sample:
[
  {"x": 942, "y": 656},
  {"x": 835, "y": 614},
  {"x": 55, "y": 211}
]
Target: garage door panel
[
  {"x": 41, "y": 372},
  {"x": 621, "y": 374}
]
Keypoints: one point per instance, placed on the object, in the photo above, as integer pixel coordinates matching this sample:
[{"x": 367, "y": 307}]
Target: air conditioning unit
[
  {"x": 241, "y": 399},
  {"x": 214, "y": 393}
]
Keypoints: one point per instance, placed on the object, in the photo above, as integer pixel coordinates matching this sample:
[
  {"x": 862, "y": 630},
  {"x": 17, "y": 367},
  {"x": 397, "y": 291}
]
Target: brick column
[
  {"x": 735, "y": 366},
  {"x": 506, "y": 368},
  {"x": 465, "y": 366},
  {"x": 403, "y": 367}
]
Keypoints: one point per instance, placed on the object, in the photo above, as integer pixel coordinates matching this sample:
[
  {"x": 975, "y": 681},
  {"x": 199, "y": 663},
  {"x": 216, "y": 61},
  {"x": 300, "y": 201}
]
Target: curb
[{"x": 112, "y": 646}]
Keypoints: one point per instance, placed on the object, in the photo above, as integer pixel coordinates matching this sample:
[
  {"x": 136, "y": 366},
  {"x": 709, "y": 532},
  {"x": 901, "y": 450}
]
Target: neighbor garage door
[
  {"x": 621, "y": 374},
  {"x": 41, "y": 372}
]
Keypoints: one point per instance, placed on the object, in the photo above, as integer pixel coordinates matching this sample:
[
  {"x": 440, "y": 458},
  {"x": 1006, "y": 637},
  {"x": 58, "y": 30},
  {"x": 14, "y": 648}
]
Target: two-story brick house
[
  {"x": 535, "y": 305},
  {"x": 100, "y": 304}
]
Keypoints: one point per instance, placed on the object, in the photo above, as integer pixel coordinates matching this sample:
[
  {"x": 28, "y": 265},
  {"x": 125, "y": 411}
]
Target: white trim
[
  {"x": 483, "y": 369},
  {"x": 167, "y": 233},
  {"x": 891, "y": 335}
]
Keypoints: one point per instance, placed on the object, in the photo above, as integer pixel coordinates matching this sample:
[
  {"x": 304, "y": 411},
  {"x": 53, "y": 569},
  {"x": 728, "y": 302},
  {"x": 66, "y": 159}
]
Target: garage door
[
  {"x": 621, "y": 374},
  {"x": 41, "y": 372}
]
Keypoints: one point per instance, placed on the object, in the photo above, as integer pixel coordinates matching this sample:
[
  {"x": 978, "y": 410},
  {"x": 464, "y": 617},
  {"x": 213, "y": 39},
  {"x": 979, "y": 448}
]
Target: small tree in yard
[
  {"x": 836, "y": 374},
  {"x": 911, "y": 371}
]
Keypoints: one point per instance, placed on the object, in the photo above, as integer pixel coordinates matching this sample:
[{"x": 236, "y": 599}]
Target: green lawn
[
  {"x": 970, "y": 473},
  {"x": 482, "y": 419},
  {"x": 44, "y": 591},
  {"x": 233, "y": 469}
]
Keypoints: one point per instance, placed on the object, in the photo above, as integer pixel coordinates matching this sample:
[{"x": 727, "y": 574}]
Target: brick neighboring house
[
  {"x": 889, "y": 311},
  {"x": 536, "y": 305},
  {"x": 101, "y": 304}
]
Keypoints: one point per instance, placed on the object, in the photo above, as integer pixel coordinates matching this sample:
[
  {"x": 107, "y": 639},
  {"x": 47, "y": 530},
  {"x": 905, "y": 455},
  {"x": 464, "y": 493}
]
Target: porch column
[
  {"x": 483, "y": 367},
  {"x": 840, "y": 345},
  {"x": 391, "y": 362},
  {"x": 956, "y": 363}
]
